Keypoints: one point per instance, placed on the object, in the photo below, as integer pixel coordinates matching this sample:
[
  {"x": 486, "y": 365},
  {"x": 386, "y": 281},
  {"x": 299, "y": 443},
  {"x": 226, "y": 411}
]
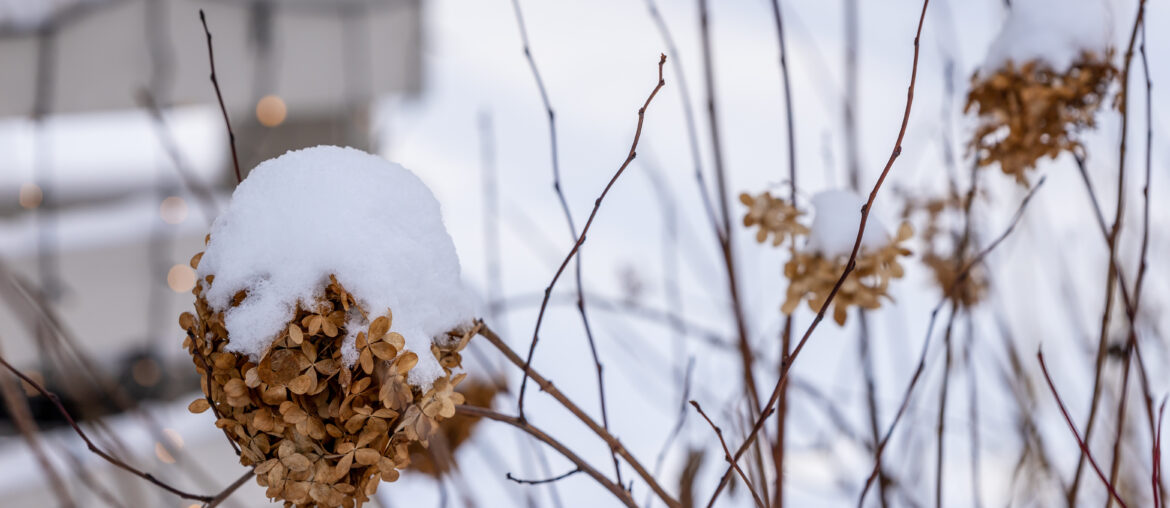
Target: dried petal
[{"x": 198, "y": 406}]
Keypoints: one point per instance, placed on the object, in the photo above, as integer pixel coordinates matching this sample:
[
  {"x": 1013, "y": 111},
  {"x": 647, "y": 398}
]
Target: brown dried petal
[
  {"x": 366, "y": 358},
  {"x": 282, "y": 365},
  {"x": 383, "y": 350},
  {"x": 296, "y": 462},
  {"x": 198, "y": 406},
  {"x": 303, "y": 383},
  {"x": 405, "y": 362},
  {"x": 397, "y": 340},
  {"x": 378, "y": 328},
  {"x": 186, "y": 320},
  {"x": 235, "y": 388}
]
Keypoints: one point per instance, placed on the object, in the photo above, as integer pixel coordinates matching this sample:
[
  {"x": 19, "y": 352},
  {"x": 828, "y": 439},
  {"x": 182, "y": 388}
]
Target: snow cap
[
  {"x": 326, "y": 210},
  {"x": 834, "y": 227},
  {"x": 1052, "y": 31}
]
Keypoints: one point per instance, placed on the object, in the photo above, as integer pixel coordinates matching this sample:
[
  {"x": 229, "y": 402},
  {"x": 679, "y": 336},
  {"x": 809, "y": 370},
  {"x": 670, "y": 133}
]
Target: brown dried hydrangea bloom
[
  {"x": 970, "y": 291},
  {"x": 775, "y": 217},
  {"x": 940, "y": 244},
  {"x": 317, "y": 433},
  {"x": 439, "y": 457},
  {"x": 1032, "y": 111},
  {"x": 812, "y": 276}
]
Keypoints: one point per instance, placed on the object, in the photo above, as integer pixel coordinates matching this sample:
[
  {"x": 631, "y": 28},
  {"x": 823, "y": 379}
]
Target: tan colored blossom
[
  {"x": 320, "y": 434},
  {"x": 812, "y": 277},
  {"x": 940, "y": 240},
  {"x": 1031, "y": 111},
  {"x": 774, "y": 216}
]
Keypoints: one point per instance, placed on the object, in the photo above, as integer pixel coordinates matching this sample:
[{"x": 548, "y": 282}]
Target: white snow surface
[
  {"x": 310, "y": 213},
  {"x": 1053, "y": 31},
  {"x": 834, "y": 226}
]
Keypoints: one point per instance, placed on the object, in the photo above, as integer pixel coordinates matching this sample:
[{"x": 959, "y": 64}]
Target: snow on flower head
[
  {"x": 1056, "y": 32},
  {"x": 834, "y": 225},
  {"x": 316, "y": 212}
]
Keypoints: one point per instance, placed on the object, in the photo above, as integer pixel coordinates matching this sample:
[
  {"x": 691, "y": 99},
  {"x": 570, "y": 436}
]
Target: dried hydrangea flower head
[
  {"x": 1029, "y": 112},
  {"x": 439, "y": 456},
  {"x": 941, "y": 238},
  {"x": 328, "y": 324},
  {"x": 814, "y": 269},
  {"x": 774, "y": 216},
  {"x": 1046, "y": 75},
  {"x": 320, "y": 433}
]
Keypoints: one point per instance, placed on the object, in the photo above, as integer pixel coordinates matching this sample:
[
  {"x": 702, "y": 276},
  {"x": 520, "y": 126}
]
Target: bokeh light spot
[
  {"x": 181, "y": 278},
  {"x": 271, "y": 111},
  {"x": 30, "y": 196},
  {"x": 173, "y": 210}
]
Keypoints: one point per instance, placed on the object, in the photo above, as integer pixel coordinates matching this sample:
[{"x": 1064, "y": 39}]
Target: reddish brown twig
[
  {"x": 1157, "y": 469},
  {"x": 960, "y": 278},
  {"x": 579, "y": 240},
  {"x": 52, "y": 397},
  {"x": 547, "y": 386},
  {"x": 1072, "y": 427},
  {"x": 219, "y": 96},
  {"x": 960, "y": 252},
  {"x": 1128, "y": 304},
  {"x": 226, "y": 492},
  {"x": 727, "y": 245},
  {"x": 727, "y": 455},
  {"x": 523, "y": 425},
  {"x": 545, "y": 480},
  {"x": 203, "y": 194},
  {"x": 1114, "y": 233},
  {"x": 728, "y": 253},
  {"x": 1115, "y": 467},
  {"x": 22, "y": 419},
  {"x": 574, "y": 251},
  {"x": 786, "y": 335},
  {"x": 688, "y": 116},
  {"x": 852, "y": 256}
]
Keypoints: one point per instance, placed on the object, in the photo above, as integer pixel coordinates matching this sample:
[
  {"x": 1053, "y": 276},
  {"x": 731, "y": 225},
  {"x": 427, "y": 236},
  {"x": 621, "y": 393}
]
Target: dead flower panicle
[
  {"x": 941, "y": 239},
  {"x": 1030, "y": 111},
  {"x": 318, "y": 433},
  {"x": 439, "y": 457},
  {"x": 812, "y": 276},
  {"x": 774, "y": 216}
]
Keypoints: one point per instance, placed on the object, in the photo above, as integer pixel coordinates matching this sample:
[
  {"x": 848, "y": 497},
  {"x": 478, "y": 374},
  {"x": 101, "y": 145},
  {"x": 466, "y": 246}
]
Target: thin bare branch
[
  {"x": 226, "y": 492},
  {"x": 786, "y": 336},
  {"x": 523, "y": 425},
  {"x": 727, "y": 455},
  {"x": 725, "y": 242},
  {"x": 575, "y": 250},
  {"x": 52, "y": 397},
  {"x": 1154, "y": 477},
  {"x": 1112, "y": 273},
  {"x": 1072, "y": 427},
  {"x": 688, "y": 115},
  {"x": 852, "y": 256},
  {"x": 546, "y": 480},
  {"x": 960, "y": 278},
  {"x": 545, "y": 385},
  {"x": 219, "y": 95},
  {"x": 21, "y": 415}
]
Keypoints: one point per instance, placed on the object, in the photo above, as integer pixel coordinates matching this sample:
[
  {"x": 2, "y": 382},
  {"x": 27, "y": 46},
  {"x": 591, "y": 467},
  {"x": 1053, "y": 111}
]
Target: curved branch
[{"x": 523, "y": 425}]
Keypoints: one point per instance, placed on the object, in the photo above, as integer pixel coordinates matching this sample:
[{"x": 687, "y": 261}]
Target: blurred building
[
  {"x": 104, "y": 240},
  {"x": 114, "y": 160}
]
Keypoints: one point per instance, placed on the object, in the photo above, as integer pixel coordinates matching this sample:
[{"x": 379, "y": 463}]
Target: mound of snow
[
  {"x": 327, "y": 210},
  {"x": 1053, "y": 31},
  {"x": 834, "y": 226}
]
